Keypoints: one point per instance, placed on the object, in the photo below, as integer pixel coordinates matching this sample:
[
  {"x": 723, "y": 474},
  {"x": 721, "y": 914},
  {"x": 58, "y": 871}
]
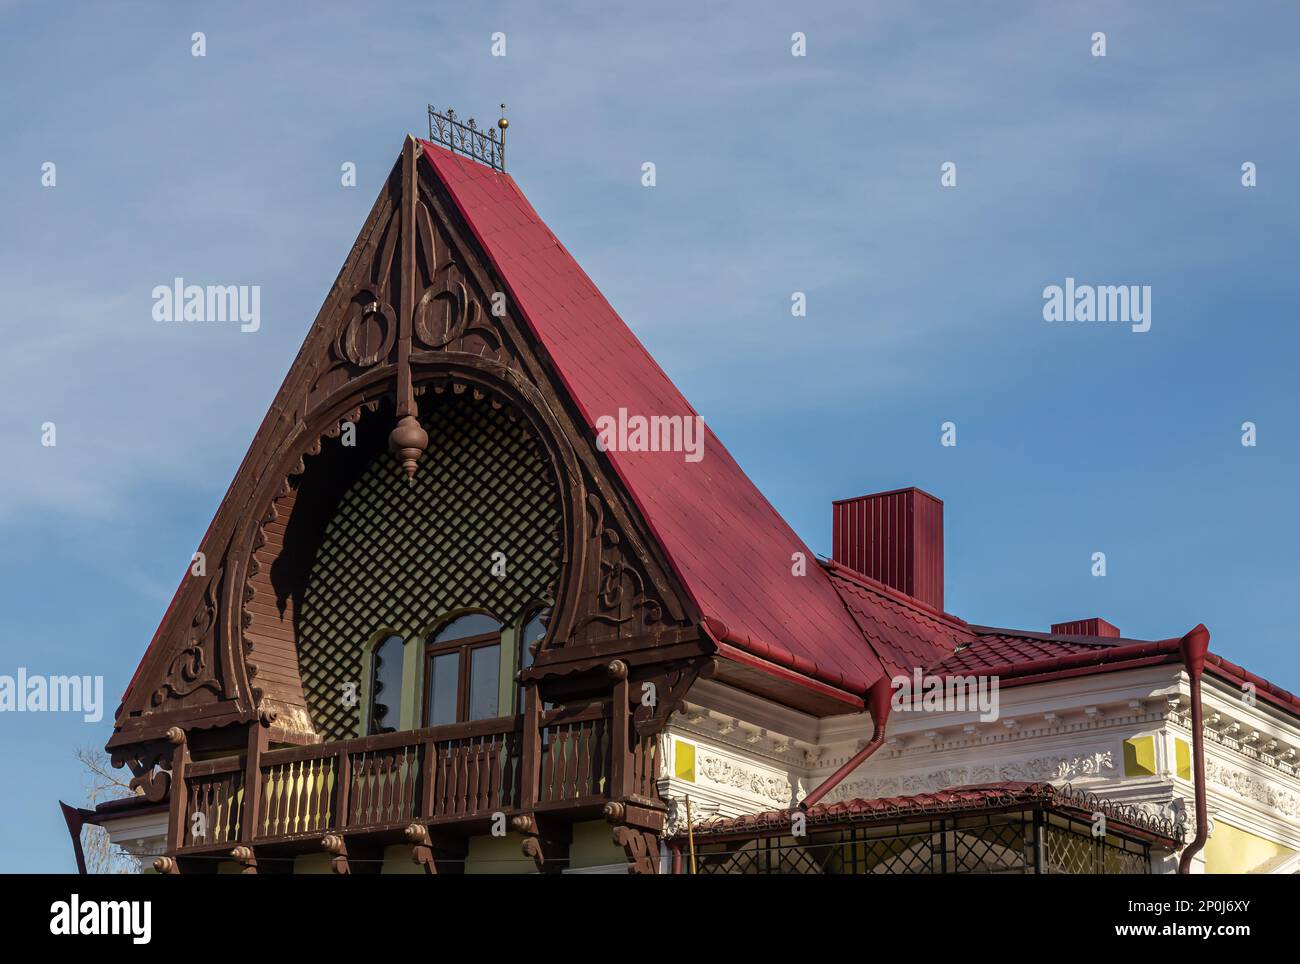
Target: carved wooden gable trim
[{"x": 411, "y": 311}]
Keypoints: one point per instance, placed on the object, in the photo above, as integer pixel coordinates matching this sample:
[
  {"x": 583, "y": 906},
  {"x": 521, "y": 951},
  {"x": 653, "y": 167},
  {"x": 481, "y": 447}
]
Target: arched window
[
  {"x": 533, "y": 633},
  {"x": 385, "y": 686},
  {"x": 462, "y": 670}
]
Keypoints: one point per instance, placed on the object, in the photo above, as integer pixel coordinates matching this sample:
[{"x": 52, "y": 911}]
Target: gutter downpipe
[
  {"x": 878, "y": 700},
  {"x": 1194, "y": 647}
]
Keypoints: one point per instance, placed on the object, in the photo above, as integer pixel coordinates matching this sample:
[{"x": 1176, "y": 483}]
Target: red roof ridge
[
  {"x": 883, "y": 589},
  {"x": 1110, "y": 641}
]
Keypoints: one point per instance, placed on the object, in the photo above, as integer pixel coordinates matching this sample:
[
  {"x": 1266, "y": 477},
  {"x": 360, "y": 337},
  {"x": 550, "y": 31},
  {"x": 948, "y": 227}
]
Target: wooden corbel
[
  {"x": 421, "y": 847},
  {"x": 246, "y": 858},
  {"x": 545, "y": 842},
  {"x": 427, "y": 849},
  {"x": 636, "y": 831},
  {"x": 671, "y": 681},
  {"x": 334, "y": 844}
]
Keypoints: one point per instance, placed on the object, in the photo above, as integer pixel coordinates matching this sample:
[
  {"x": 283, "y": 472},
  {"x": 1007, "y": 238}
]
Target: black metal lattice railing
[
  {"x": 1023, "y": 842},
  {"x": 487, "y": 145}
]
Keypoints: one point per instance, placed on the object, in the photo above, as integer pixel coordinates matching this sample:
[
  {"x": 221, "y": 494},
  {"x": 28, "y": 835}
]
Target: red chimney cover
[
  {"x": 895, "y": 537},
  {"x": 1086, "y": 627}
]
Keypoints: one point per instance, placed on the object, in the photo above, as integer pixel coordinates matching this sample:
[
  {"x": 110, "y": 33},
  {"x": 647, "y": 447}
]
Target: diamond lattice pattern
[{"x": 396, "y": 557}]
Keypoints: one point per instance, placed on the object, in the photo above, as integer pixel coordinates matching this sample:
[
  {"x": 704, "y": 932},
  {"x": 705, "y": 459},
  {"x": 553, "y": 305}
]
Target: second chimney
[
  {"x": 1095, "y": 626},
  {"x": 894, "y": 537}
]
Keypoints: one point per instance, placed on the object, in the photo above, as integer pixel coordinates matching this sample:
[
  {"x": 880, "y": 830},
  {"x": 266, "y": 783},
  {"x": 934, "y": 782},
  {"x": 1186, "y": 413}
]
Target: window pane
[
  {"x": 444, "y": 681},
  {"x": 385, "y": 686},
  {"x": 535, "y": 630},
  {"x": 484, "y": 681},
  {"x": 471, "y": 624}
]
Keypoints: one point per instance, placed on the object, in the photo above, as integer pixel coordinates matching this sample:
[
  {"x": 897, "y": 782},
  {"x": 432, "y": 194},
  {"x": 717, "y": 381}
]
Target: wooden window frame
[
  {"x": 379, "y": 641},
  {"x": 463, "y": 646}
]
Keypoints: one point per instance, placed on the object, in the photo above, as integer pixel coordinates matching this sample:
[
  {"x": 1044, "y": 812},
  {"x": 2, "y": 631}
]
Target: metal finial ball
[{"x": 503, "y": 123}]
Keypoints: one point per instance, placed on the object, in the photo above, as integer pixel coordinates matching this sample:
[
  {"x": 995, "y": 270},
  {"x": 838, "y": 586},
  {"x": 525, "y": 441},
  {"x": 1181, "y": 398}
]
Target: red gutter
[
  {"x": 1238, "y": 675},
  {"x": 730, "y": 648},
  {"x": 76, "y": 818},
  {"x": 1195, "y": 645},
  {"x": 878, "y": 701}
]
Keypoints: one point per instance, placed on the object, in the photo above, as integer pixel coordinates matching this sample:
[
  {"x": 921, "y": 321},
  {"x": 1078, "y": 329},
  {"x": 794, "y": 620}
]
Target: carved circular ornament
[
  {"x": 368, "y": 335},
  {"x": 444, "y": 312}
]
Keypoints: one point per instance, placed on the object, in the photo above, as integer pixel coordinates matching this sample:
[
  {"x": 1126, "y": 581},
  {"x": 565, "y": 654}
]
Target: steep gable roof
[{"x": 729, "y": 547}]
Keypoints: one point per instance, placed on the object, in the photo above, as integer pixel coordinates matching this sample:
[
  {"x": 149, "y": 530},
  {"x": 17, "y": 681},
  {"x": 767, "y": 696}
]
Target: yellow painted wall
[
  {"x": 1140, "y": 756},
  {"x": 684, "y": 760},
  {"x": 1183, "y": 759},
  {"x": 312, "y": 864},
  {"x": 498, "y": 855},
  {"x": 593, "y": 846},
  {"x": 1234, "y": 851},
  {"x": 397, "y": 860}
]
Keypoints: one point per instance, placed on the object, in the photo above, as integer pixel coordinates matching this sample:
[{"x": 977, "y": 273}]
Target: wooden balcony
[{"x": 455, "y": 777}]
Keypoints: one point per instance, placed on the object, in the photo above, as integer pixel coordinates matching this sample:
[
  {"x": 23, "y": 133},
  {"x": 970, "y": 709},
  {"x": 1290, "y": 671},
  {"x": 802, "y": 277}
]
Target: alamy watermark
[
  {"x": 1126, "y": 304},
  {"x": 22, "y": 693},
  {"x": 651, "y": 433},
  {"x": 182, "y": 302},
  {"x": 946, "y": 694},
  {"x": 128, "y": 918}
]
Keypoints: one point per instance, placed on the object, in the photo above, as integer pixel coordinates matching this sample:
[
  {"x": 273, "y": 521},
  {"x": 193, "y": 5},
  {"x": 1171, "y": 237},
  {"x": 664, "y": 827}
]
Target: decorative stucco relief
[
  {"x": 1058, "y": 768},
  {"x": 727, "y": 773},
  {"x": 1031, "y": 770},
  {"x": 1251, "y": 787}
]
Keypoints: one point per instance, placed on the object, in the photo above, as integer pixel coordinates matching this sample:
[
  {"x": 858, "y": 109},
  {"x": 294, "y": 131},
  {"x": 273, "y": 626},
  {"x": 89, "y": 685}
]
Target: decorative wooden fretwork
[
  {"x": 308, "y": 557},
  {"x": 400, "y": 556}
]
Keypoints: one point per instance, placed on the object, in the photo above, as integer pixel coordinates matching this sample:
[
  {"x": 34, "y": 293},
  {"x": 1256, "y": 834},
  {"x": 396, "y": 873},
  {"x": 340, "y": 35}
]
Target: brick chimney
[
  {"x": 895, "y": 537},
  {"x": 1095, "y": 626}
]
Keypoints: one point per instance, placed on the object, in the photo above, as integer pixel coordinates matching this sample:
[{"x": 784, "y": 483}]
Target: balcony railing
[{"x": 444, "y": 774}]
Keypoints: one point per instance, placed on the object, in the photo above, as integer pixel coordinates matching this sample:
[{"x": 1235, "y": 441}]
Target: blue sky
[{"x": 775, "y": 174}]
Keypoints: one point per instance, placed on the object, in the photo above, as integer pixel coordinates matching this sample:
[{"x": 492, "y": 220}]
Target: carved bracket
[
  {"x": 636, "y": 830},
  {"x": 658, "y": 691},
  {"x": 150, "y": 765},
  {"x": 546, "y": 842}
]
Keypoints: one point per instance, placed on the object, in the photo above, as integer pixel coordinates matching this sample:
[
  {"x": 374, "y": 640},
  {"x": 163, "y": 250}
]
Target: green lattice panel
[{"x": 399, "y": 555}]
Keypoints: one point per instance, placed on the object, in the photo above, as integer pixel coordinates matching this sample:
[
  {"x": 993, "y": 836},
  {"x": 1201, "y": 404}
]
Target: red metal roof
[
  {"x": 903, "y": 632},
  {"x": 994, "y": 650},
  {"x": 729, "y": 547}
]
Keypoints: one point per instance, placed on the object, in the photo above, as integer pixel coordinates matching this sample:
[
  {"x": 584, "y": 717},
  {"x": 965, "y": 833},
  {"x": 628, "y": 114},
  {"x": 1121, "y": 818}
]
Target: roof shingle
[{"x": 729, "y": 547}]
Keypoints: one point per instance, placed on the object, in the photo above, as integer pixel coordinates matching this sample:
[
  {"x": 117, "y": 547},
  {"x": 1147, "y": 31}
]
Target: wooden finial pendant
[{"x": 408, "y": 440}]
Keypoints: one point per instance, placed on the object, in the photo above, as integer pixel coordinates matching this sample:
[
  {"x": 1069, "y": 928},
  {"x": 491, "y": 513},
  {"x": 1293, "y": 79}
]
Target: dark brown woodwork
[
  {"x": 408, "y": 315},
  {"x": 636, "y": 829},
  {"x": 437, "y": 853},
  {"x": 620, "y": 779},
  {"x": 179, "y": 792},
  {"x": 660, "y": 688},
  {"x": 546, "y": 841},
  {"x": 246, "y": 858},
  {"x": 258, "y": 744}
]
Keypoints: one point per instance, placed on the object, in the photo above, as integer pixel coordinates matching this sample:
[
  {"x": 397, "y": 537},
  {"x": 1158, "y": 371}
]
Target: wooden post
[
  {"x": 428, "y": 769},
  {"x": 176, "y": 816},
  {"x": 620, "y": 764},
  {"x": 258, "y": 742},
  {"x": 530, "y": 767}
]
